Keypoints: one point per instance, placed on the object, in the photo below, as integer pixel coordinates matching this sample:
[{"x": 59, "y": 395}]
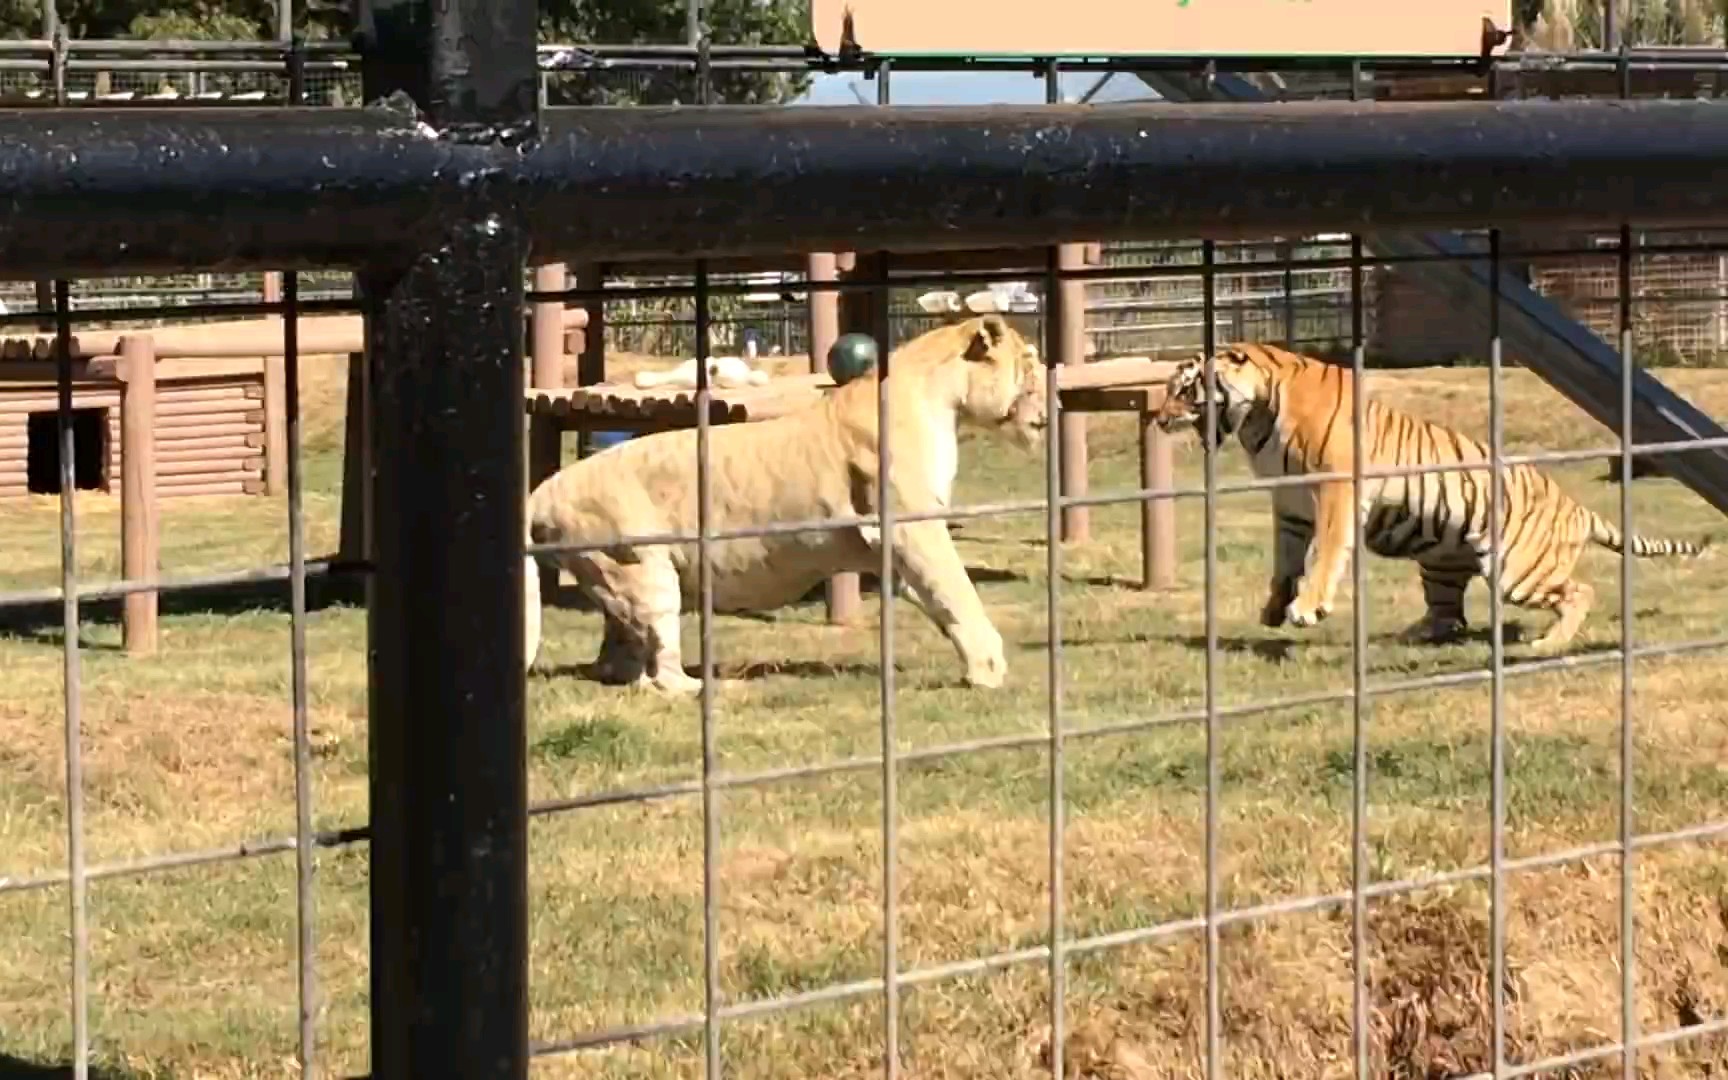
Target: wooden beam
[{"x": 139, "y": 514}]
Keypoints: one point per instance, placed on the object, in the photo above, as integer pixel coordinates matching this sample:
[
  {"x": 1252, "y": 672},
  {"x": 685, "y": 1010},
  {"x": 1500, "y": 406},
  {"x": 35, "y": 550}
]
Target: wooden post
[
  {"x": 275, "y": 404},
  {"x": 855, "y": 314},
  {"x": 1157, "y": 516},
  {"x": 591, "y": 362},
  {"x": 1070, "y": 313},
  {"x": 355, "y": 544},
  {"x": 139, "y": 529},
  {"x": 824, "y": 310},
  {"x": 546, "y": 372},
  {"x": 842, "y": 599}
]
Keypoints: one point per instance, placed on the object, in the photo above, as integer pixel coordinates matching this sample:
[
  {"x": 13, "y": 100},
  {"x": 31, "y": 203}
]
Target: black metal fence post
[{"x": 448, "y": 780}]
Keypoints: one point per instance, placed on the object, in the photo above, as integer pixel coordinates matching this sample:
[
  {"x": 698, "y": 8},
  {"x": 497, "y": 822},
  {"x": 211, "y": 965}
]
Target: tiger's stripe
[{"x": 1292, "y": 414}]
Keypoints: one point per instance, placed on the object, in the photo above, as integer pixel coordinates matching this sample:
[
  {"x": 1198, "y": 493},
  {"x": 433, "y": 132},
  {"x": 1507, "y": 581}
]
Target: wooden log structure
[
  {"x": 840, "y": 593},
  {"x": 319, "y": 335},
  {"x": 275, "y": 402},
  {"x": 198, "y": 415},
  {"x": 1086, "y": 387},
  {"x": 140, "y": 524},
  {"x": 1129, "y": 384},
  {"x": 546, "y": 369},
  {"x": 212, "y": 379},
  {"x": 1068, "y": 309}
]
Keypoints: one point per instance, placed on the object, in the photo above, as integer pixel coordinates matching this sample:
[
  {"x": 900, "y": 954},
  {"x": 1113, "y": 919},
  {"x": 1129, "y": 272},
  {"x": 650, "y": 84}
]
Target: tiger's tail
[{"x": 1606, "y": 533}]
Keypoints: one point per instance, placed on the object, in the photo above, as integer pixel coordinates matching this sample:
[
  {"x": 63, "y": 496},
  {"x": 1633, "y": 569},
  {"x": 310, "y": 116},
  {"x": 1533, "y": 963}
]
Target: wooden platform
[
  {"x": 1130, "y": 384},
  {"x": 1122, "y": 384}
]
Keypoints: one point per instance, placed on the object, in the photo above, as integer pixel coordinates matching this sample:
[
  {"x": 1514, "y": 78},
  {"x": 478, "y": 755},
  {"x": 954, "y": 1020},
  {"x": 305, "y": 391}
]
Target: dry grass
[{"x": 192, "y": 970}]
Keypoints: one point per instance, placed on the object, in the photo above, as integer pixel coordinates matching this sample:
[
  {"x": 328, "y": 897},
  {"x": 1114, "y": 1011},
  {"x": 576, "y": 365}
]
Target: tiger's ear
[{"x": 991, "y": 331}]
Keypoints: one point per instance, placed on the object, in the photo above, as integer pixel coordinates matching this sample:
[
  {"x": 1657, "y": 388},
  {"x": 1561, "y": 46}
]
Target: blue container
[{"x": 600, "y": 440}]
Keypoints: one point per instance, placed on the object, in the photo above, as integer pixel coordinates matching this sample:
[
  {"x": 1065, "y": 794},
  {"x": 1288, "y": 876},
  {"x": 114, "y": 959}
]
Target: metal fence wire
[{"x": 429, "y": 801}]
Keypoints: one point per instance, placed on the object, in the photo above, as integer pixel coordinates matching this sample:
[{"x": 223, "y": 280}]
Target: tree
[
  {"x": 1562, "y": 25},
  {"x": 611, "y": 22},
  {"x": 730, "y": 22}
]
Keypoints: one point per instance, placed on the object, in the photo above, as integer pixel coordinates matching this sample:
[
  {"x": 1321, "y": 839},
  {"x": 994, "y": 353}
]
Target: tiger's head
[{"x": 1238, "y": 385}]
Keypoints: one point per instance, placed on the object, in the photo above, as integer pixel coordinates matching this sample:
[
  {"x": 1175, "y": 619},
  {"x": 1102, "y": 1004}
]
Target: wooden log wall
[{"x": 210, "y": 433}]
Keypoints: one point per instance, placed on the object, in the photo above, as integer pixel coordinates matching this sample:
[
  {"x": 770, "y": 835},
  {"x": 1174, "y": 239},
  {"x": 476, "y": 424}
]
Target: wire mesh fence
[
  {"x": 853, "y": 837},
  {"x": 1369, "y": 884}
]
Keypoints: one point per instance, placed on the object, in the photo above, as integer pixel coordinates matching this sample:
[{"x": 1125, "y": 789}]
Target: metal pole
[
  {"x": 1064, "y": 331},
  {"x": 449, "y": 882}
]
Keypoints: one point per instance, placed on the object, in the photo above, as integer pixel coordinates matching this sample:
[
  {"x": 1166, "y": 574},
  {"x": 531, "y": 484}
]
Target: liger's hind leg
[
  {"x": 622, "y": 657},
  {"x": 659, "y": 599},
  {"x": 639, "y": 601}
]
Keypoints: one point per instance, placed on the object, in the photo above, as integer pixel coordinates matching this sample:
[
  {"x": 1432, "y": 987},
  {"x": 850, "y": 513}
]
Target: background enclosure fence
[{"x": 437, "y": 224}]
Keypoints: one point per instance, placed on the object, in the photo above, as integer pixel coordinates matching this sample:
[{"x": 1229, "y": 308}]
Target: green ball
[{"x": 850, "y": 356}]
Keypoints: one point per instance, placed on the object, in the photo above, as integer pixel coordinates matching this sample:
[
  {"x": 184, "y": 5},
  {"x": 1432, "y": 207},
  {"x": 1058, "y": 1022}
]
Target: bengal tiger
[{"x": 1293, "y": 414}]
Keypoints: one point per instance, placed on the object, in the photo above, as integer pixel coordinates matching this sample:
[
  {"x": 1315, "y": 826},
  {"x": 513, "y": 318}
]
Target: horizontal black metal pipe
[
  {"x": 84, "y": 192},
  {"x": 88, "y": 192},
  {"x": 755, "y": 181}
]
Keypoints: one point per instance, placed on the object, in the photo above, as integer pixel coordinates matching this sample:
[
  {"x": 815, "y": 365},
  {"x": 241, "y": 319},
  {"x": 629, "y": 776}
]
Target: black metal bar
[
  {"x": 1643, "y": 58},
  {"x": 296, "y": 189},
  {"x": 143, "y": 185},
  {"x": 449, "y": 895},
  {"x": 759, "y": 181}
]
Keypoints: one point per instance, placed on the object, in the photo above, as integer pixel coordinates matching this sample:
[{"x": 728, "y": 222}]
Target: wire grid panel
[
  {"x": 75, "y": 594},
  {"x": 1682, "y": 299},
  {"x": 1305, "y": 307},
  {"x": 1057, "y": 947},
  {"x": 1065, "y": 729},
  {"x": 1056, "y": 953},
  {"x": 71, "y": 384}
]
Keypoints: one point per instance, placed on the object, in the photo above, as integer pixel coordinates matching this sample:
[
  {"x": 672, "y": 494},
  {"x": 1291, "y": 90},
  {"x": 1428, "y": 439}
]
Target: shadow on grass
[
  {"x": 1282, "y": 649},
  {"x": 1274, "y": 650},
  {"x": 14, "y": 1068},
  {"x": 752, "y": 672},
  {"x": 571, "y": 598},
  {"x": 342, "y": 587}
]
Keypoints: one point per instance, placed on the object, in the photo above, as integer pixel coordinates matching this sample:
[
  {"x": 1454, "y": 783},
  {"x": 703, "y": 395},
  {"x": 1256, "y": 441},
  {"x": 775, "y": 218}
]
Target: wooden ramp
[{"x": 1562, "y": 351}]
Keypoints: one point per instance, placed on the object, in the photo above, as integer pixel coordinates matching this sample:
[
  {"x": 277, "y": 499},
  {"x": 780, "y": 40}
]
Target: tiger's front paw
[
  {"x": 1302, "y": 612},
  {"x": 1277, "y": 602}
]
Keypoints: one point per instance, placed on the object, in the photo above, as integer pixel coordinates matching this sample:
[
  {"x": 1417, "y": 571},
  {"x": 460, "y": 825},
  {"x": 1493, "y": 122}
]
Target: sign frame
[{"x": 1210, "y": 29}]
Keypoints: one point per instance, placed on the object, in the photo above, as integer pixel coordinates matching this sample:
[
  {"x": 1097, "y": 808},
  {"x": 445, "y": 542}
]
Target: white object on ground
[{"x": 723, "y": 371}]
